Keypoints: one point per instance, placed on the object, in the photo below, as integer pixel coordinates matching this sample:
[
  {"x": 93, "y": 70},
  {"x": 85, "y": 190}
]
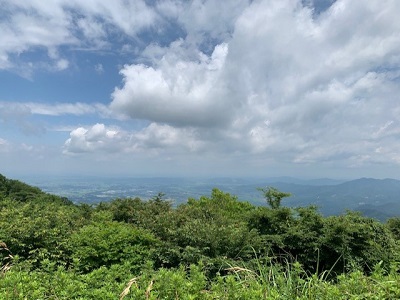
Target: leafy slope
[{"x": 214, "y": 247}]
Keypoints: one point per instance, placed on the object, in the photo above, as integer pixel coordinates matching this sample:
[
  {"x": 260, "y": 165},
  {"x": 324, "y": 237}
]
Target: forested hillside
[{"x": 214, "y": 247}]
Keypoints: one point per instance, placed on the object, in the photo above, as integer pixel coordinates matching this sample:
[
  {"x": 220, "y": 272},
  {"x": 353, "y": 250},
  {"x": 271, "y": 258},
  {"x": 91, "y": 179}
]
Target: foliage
[
  {"x": 103, "y": 244},
  {"x": 394, "y": 226},
  {"x": 19, "y": 191},
  {"x": 266, "y": 282},
  {"x": 215, "y": 226},
  {"x": 154, "y": 215},
  {"x": 356, "y": 242},
  {"x": 214, "y": 247},
  {"x": 36, "y": 230},
  {"x": 273, "y": 196}
]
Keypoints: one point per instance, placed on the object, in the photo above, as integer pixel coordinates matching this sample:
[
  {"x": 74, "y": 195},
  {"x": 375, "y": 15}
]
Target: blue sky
[{"x": 200, "y": 88}]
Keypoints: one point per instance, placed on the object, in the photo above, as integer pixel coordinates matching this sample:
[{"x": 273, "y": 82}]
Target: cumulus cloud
[
  {"x": 295, "y": 81},
  {"x": 177, "y": 91},
  {"x": 285, "y": 82},
  {"x": 109, "y": 139},
  {"x": 95, "y": 138},
  {"x": 321, "y": 83},
  {"x": 165, "y": 137}
]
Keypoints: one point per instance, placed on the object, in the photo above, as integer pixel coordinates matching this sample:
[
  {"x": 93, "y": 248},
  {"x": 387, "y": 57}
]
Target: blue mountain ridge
[{"x": 378, "y": 198}]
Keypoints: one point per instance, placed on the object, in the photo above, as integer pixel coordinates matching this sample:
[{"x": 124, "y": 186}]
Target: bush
[
  {"x": 107, "y": 243},
  {"x": 38, "y": 230}
]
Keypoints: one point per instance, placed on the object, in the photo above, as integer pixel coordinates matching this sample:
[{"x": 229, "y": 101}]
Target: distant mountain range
[{"x": 378, "y": 198}]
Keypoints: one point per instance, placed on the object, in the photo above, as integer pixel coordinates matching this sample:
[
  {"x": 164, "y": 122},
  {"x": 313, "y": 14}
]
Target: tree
[
  {"x": 394, "y": 226},
  {"x": 352, "y": 241},
  {"x": 273, "y": 196}
]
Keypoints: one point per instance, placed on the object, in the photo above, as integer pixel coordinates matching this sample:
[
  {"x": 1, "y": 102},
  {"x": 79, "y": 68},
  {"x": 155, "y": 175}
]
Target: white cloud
[
  {"x": 19, "y": 115},
  {"x": 9, "y": 147},
  {"x": 273, "y": 80},
  {"x": 300, "y": 87},
  {"x": 93, "y": 139},
  {"x": 4, "y": 145},
  {"x": 22, "y": 115},
  {"x": 58, "y": 109},
  {"x": 62, "y": 64},
  {"x": 178, "y": 91},
  {"x": 4, "y": 61},
  {"x": 167, "y": 138},
  {"x": 154, "y": 138},
  {"x": 13, "y": 110},
  {"x": 214, "y": 18},
  {"x": 99, "y": 68},
  {"x": 130, "y": 16},
  {"x": 33, "y": 25},
  {"x": 10, "y": 111},
  {"x": 93, "y": 30}
]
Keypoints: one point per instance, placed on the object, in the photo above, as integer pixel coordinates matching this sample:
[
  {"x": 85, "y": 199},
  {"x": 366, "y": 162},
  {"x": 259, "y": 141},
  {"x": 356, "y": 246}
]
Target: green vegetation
[{"x": 215, "y": 247}]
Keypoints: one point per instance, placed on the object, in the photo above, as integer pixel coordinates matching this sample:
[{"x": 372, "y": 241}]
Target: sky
[{"x": 302, "y": 88}]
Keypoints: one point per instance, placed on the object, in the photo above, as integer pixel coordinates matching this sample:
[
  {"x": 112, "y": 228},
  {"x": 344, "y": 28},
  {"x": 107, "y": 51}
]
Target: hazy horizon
[{"x": 233, "y": 178}]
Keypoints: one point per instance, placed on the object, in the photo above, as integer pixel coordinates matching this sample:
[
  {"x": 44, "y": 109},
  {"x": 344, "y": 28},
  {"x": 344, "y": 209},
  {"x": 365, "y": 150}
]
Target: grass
[
  {"x": 7, "y": 258},
  {"x": 267, "y": 281}
]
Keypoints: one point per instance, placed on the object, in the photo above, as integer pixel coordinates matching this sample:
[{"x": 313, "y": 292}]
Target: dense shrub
[
  {"x": 37, "y": 230},
  {"x": 103, "y": 244},
  {"x": 215, "y": 247}
]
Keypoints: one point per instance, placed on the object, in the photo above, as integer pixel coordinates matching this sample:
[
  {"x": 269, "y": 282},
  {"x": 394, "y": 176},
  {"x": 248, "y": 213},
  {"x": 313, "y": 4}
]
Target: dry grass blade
[
  {"x": 239, "y": 269},
  {"x": 6, "y": 260},
  {"x": 128, "y": 288},
  {"x": 148, "y": 290},
  {"x": 5, "y": 268}
]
